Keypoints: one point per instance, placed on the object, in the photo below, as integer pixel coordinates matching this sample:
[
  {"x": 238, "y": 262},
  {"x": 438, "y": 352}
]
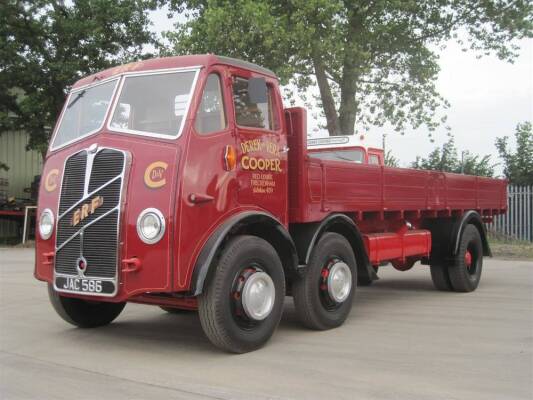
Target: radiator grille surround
[{"x": 89, "y": 217}]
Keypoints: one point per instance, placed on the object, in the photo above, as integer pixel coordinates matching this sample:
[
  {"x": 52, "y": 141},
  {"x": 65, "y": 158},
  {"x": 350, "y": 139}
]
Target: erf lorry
[{"x": 182, "y": 182}]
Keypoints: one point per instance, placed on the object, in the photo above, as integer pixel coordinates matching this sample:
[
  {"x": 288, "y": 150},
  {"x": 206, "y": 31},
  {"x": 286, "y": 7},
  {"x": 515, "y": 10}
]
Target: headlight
[
  {"x": 46, "y": 223},
  {"x": 151, "y": 225}
]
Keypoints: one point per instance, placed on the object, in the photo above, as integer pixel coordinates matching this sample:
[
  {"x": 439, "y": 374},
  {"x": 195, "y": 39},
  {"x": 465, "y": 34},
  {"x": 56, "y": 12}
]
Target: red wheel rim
[{"x": 468, "y": 259}]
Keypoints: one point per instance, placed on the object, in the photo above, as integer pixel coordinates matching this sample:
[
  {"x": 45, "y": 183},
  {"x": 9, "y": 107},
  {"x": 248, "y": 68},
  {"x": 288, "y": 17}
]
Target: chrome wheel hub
[
  {"x": 258, "y": 295},
  {"x": 339, "y": 281}
]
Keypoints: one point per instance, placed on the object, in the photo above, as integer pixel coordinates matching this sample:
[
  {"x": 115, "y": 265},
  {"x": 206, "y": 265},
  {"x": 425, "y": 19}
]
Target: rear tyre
[
  {"x": 241, "y": 306},
  {"x": 323, "y": 296},
  {"x": 465, "y": 272},
  {"x": 440, "y": 277},
  {"x": 84, "y": 313}
]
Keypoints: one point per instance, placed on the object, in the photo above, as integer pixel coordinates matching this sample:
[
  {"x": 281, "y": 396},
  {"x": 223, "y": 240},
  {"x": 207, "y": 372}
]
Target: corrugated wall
[{"x": 23, "y": 165}]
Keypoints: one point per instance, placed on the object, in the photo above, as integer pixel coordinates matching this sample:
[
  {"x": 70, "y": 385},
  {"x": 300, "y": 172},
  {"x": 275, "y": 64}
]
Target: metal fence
[{"x": 517, "y": 223}]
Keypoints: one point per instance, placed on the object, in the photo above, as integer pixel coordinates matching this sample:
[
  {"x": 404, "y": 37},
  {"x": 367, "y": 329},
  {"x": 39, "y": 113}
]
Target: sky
[{"x": 488, "y": 98}]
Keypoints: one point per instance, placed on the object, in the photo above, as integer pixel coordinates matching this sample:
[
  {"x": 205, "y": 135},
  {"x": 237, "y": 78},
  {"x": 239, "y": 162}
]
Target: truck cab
[
  {"x": 344, "y": 148},
  {"x": 184, "y": 183}
]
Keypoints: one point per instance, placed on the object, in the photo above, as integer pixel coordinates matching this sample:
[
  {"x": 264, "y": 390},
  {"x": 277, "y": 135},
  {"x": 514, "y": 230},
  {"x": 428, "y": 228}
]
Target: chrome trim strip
[
  {"x": 86, "y": 226},
  {"x": 85, "y": 197},
  {"x": 156, "y": 72},
  {"x": 117, "y": 233}
]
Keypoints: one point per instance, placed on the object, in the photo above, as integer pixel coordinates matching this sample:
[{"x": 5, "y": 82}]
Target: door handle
[{"x": 196, "y": 198}]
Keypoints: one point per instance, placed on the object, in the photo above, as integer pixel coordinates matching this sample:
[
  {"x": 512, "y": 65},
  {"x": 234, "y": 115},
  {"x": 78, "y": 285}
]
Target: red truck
[{"x": 182, "y": 182}]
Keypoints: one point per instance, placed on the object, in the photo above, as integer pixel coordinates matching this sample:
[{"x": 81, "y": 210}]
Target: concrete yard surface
[{"x": 403, "y": 340}]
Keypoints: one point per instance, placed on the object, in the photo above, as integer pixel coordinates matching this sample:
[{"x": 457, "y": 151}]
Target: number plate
[{"x": 84, "y": 285}]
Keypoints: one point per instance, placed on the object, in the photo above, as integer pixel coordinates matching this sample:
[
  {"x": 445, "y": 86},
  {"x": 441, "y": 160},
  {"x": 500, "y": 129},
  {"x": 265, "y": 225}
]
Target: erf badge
[
  {"x": 154, "y": 176},
  {"x": 50, "y": 182}
]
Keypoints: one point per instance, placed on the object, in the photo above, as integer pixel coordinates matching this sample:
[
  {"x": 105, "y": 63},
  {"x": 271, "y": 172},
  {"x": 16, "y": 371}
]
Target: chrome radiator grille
[{"x": 88, "y": 218}]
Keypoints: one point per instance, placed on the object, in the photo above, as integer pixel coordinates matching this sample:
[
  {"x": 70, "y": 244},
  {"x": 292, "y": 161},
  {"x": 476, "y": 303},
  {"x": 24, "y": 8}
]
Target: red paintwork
[
  {"x": 320, "y": 187},
  {"x": 397, "y": 246},
  {"x": 200, "y": 193}
]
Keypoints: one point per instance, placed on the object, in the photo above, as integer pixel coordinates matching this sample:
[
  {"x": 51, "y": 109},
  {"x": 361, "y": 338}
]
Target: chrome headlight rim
[
  {"x": 159, "y": 215},
  {"x": 46, "y": 235}
]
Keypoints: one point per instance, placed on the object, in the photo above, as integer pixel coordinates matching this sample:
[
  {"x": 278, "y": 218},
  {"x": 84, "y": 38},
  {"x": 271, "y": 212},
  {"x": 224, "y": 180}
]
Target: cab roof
[{"x": 154, "y": 64}]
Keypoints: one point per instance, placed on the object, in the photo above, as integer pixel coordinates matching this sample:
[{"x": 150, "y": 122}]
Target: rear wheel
[
  {"x": 242, "y": 304},
  {"x": 84, "y": 313},
  {"x": 440, "y": 277},
  {"x": 323, "y": 296},
  {"x": 465, "y": 272}
]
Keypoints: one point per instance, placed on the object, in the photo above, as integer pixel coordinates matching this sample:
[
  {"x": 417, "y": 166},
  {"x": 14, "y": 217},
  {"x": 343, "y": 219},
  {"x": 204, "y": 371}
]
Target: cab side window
[
  {"x": 373, "y": 159},
  {"x": 253, "y": 115},
  {"x": 211, "y": 116}
]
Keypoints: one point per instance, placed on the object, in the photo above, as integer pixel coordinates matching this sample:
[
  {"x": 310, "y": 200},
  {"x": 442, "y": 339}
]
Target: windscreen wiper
[{"x": 79, "y": 96}]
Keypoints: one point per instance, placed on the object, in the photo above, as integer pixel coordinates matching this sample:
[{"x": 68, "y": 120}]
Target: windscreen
[
  {"x": 84, "y": 113},
  {"x": 153, "y": 104},
  {"x": 353, "y": 155}
]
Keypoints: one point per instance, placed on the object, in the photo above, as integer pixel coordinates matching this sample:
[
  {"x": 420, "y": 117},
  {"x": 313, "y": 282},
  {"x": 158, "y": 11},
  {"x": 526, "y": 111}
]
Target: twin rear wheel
[{"x": 463, "y": 273}]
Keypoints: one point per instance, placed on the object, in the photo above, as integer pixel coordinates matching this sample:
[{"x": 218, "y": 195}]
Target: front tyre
[
  {"x": 323, "y": 296},
  {"x": 174, "y": 310},
  {"x": 84, "y": 313},
  {"x": 241, "y": 306}
]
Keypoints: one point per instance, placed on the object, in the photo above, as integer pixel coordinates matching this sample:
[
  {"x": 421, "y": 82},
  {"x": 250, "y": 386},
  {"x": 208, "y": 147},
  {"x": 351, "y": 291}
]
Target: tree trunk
[
  {"x": 348, "y": 108},
  {"x": 328, "y": 103},
  {"x": 350, "y": 75}
]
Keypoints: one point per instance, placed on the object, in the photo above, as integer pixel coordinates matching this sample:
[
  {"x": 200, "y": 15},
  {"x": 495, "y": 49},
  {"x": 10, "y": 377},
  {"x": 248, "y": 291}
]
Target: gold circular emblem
[
  {"x": 50, "y": 182},
  {"x": 154, "y": 175}
]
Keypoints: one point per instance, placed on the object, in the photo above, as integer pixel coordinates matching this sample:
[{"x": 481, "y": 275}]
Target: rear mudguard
[
  {"x": 446, "y": 236},
  {"x": 306, "y": 236}
]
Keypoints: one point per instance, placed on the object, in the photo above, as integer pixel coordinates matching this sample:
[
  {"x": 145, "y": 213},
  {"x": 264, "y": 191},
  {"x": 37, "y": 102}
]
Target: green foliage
[
  {"x": 374, "y": 62},
  {"x": 46, "y": 45},
  {"x": 518, "y": 166},
  {"x": 445, "y": 159},
  {"x": 390, "y": 160}
]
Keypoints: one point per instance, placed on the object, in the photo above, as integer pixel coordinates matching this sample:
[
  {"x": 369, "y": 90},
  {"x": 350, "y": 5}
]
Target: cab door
[
  {"x": 261, "y": 144},
  {"x": 208, "y": 188}
]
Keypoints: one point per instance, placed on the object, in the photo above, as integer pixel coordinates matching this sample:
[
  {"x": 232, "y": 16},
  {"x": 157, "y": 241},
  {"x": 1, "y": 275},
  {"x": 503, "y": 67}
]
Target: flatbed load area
[{"x": 320, "y": 187}]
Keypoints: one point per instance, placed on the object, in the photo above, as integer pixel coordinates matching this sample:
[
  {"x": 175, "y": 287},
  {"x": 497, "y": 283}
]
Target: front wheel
[
  {"x": 84, "y": 313},
  {"x": 174, "y": 310},
  {"x": 242, "y": 304},
  {"x": 323, "y": 296}
]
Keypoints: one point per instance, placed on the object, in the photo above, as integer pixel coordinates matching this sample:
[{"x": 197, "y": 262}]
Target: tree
[
  {"x": 390, "y": 160},
  {"x": 374, "y": 62},
  {"x": 518, "y": 166},
  {"x": 46, "y": 45},
  {"x": 445, "y": 159}
]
